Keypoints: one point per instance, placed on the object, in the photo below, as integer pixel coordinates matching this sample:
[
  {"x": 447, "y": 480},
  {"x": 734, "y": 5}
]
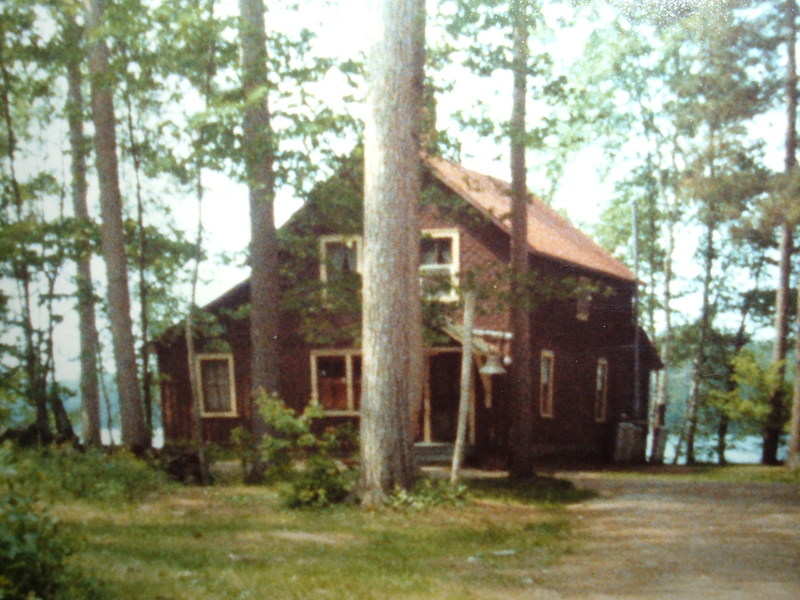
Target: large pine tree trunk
[
  {"x": 391, "y": 241},
  {"x": 424, "y": 132},
  {"x": 793, "y": 458},
  {"x": 135, "y": 434},
  {"x": 87, "y": 323},
  {"x": 259, "y": 152},
  {"x": 521, "y": 433},
  {"x": 777, "y": 414}
]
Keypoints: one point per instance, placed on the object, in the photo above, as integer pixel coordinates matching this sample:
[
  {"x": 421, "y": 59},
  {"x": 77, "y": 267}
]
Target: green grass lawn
[
  {"x": 730, "y": 473},
  {"x": 238, "y": 542}
]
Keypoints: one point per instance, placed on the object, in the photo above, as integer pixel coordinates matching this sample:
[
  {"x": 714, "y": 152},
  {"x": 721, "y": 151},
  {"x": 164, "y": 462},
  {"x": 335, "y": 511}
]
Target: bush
[
  {"x": 428, "y": 493},
  {"x": 321, "y": 483},
  {"x": 60, "y": 472},
  {"x": 33, "y": 549},
  {"x": 302, "y": 459}
]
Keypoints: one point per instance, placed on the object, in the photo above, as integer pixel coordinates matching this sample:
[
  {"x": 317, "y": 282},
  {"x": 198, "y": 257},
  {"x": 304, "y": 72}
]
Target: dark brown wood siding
[{"x": 576, "y": 344}]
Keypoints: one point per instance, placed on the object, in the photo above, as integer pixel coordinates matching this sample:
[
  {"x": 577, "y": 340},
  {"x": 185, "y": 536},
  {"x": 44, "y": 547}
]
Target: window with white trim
[
  {"x": 339, "y": 256},
  {"x": 601, "y": 391},
  {"x": 439, "y": 263},
  {"x": 546, "y": 383},
  {"x": 217, "y": 385},
  {"x": 336, "y": 381}
]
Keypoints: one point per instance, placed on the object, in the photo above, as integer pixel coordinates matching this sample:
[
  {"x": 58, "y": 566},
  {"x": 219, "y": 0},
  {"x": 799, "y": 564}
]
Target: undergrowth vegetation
[
  {"x": 35, "y": 548},
  {"x": 94, "y": 475},
  {"x": 309, "y": 466}
]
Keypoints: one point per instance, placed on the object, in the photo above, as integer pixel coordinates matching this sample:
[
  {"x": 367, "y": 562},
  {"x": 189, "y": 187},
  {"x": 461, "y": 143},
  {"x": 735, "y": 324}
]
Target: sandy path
[{"x": 657, "y": 539}]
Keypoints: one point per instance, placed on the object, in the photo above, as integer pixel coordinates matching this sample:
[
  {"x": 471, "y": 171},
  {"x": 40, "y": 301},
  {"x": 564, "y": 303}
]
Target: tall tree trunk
[
  {"x": 135, "y": 435},
  {"x": 660, "y": 431},
  {"x": 87, "y": 321},
  {"x": 793, "y": 457},
  {"x": 391, "y": 246},
  {"x": 194, "y": 384},
  {"x": 259, "y": 154},
  {"x": 142, "y": 287},
  {"x": 693, "y": 406},
  {"x": 777, "y": 413},
  {"x": 521, "y": 434},
  {"x": 465, "y": 387},
  {"x": 425, "y": 134}
]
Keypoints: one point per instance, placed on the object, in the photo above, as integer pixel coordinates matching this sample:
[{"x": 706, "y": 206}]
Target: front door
[{"x": 439, "y": 417}]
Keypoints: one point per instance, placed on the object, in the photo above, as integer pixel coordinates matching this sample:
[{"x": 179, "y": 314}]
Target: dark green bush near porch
[{"x": 305, "y": 463}]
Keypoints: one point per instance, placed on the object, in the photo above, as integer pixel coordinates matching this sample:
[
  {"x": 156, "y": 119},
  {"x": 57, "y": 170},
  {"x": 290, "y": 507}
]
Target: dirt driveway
[{"x": 659, "y": 538}]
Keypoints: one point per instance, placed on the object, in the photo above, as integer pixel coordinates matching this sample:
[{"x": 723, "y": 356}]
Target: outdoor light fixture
[{"x": 493, "y": 366}]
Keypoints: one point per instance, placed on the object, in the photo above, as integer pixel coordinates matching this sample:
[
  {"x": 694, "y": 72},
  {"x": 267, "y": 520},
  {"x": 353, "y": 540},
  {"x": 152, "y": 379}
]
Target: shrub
[
  {"x": 321, "y": 483},
  {"x": 33, "y": 549},
  {"x": 60, "y": 472},
  {"x": 302, "y": 459},
  {"x": 428, "y": 493}
]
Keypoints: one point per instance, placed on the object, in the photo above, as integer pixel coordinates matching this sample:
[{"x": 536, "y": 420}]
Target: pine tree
[{"x": 391, "y": 344}]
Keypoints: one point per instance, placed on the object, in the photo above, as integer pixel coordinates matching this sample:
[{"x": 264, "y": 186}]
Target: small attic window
[
  {"x": 339, "y": 256},
  {"x": 438, "y": 263}
]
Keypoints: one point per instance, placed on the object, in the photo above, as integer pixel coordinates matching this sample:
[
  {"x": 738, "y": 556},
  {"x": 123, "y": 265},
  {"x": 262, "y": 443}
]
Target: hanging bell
[{"x": 493, "y": 366}]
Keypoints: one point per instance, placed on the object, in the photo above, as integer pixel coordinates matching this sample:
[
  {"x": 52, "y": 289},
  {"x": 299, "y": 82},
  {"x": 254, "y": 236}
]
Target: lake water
[{"x": 741, "y": 451}]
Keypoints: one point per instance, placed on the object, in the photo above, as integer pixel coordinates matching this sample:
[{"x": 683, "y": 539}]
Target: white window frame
[
  {"x": 455, "y": 265},
  {"x": 348, "y": 355},
  {"x": 228, "y": 357},
  {"x": 601, "y": 391},
  {"x": 547, "y": 390},
  {"x": 348, "y": 240}
]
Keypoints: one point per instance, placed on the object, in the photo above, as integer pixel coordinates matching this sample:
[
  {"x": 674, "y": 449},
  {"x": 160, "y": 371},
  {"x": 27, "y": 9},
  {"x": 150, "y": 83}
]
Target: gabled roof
[{"x": 549, "y": 234}]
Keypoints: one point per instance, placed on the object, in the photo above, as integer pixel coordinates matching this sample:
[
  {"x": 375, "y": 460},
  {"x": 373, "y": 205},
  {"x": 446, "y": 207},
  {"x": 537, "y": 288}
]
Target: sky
[{"x": 581, "y": 193}]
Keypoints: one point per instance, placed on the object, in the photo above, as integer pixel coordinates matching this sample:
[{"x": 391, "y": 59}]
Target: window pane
[
  {"x": 601, "y": 391},
  {"x": 215, "y": 384},
  {"x": 341, "y": 258},
  {"x": 436, "y": 251},
  {"x": 356, "y": 382},
  {"x": 332, "y": 382},
  {"x": 546, "y": 385}
]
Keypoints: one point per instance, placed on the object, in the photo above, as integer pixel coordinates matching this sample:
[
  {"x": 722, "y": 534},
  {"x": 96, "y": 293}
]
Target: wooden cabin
[{"x": 587, "y": 349}]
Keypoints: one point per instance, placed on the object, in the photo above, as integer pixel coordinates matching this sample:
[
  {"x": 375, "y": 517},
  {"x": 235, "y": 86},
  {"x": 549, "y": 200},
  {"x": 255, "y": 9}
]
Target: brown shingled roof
[{"x": 549, "y": 234}]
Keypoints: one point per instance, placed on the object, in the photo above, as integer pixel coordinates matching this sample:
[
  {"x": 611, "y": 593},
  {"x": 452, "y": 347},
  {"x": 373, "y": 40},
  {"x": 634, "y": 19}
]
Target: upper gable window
[
  {"x": 217, "y": 385},
  {"x": 584, "y": 299},
  {"x": 438, "y": 263},
  {"x": 340, "y": 255}
]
